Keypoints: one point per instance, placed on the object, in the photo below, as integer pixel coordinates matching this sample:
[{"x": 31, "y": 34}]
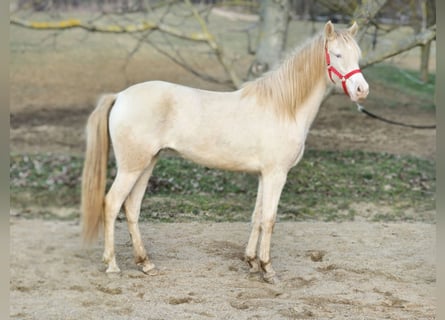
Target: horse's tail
[{"x": 95, "y": 168}]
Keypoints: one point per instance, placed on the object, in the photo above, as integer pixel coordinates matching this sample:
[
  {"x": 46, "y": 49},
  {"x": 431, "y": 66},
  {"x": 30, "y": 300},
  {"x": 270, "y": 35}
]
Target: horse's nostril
[{"x": 359, "y": 89}]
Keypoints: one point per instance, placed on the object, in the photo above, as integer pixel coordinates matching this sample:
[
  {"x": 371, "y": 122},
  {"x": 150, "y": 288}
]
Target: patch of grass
[
  {"x": 402, "y": 80},
  {"x": 323, "y": 186},
  {"x": 329, "y": 182}
]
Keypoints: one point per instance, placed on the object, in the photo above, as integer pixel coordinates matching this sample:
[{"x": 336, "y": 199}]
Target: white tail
[{"x": 95, "y": 168}]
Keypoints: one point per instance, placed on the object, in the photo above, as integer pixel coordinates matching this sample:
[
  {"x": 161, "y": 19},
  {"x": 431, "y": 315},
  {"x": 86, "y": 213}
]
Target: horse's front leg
[
  {"x": 273, "y": 184},
  {"x": 251, "y": 249}
]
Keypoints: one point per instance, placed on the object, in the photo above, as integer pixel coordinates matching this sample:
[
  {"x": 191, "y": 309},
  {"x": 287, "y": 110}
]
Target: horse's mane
[{"x": 287, "y": 87}]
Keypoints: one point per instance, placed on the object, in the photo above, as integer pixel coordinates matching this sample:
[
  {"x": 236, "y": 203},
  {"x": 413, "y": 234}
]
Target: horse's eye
[{"x": 338, "y": 55}]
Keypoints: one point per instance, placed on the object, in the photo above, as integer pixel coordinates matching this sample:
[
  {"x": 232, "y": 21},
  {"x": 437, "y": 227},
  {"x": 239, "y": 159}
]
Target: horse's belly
[{"x": 223, "y": 155}]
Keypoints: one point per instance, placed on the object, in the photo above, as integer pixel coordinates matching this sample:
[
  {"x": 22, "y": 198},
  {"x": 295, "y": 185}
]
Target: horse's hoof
[
  {"x": 113, "y": 269},
  {"x": 254, "y": 266},
  {"x": 150, "y": 270},
  {"x": 271, "y": 278},
  {"x": 254, "y": 276}
]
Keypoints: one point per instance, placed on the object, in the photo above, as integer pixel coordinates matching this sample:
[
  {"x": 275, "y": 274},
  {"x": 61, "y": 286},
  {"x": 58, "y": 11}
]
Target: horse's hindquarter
[{"x": 216, "y": 129}]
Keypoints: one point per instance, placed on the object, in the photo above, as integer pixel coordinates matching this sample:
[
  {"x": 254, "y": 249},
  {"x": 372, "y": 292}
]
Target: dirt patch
[
  {"x": 69, "y": 116},
  {"x": 327, "y": 271},
  {"x": 49, "y": 130}
]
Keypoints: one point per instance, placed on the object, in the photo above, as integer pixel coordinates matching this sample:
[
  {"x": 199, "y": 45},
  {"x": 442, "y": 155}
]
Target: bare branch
[
  {"x": 179, "y": 60},
  {"x": 365, "y": 13},
  {"x": 140, "y": 27},
  {"x": 397, "y": 47},
  {"x": 216, "y": 47}
]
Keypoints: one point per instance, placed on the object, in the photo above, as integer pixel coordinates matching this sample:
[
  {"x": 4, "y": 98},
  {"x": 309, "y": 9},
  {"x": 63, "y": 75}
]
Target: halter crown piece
[{"x": 332, "y": 69}]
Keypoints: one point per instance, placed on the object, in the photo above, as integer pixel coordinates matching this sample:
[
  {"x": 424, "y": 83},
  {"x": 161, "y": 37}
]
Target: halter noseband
[{"x": 332, "y": 69}]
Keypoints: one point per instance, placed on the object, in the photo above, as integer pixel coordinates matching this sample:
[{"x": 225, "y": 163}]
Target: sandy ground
[{"x": 356, "y": 270}]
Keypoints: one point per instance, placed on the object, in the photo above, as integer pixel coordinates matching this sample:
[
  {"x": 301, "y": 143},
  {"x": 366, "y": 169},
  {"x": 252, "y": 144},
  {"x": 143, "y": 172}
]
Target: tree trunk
[
  {"x": 428, "y": 10},
  {"x": 424, "y": 62},
  {"x": 274, "y": 21}
]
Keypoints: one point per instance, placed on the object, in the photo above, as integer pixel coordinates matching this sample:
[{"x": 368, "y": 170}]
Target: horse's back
[
  {"x": 166, "y": 112},
  {"x": 161, "y": 97}
]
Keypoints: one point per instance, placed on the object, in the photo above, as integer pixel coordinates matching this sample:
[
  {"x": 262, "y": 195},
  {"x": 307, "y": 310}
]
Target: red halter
[{"x": 332, "y": 69}]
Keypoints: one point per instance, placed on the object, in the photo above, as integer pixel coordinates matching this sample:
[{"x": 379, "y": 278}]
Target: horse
[{"x": 260, "y": 128}]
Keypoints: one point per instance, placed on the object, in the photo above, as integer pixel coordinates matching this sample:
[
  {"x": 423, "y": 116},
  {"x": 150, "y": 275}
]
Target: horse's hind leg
[
  {"x": 132, "y": 210},
  {"x": 121, "y": 187}
]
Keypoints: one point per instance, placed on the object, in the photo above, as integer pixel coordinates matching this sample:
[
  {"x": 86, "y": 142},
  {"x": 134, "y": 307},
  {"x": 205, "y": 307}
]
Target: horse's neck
[
  {"x": 309, "y": 109},
  {"x": 299, "y": 82},
  {"x": 304, "y": 78}
]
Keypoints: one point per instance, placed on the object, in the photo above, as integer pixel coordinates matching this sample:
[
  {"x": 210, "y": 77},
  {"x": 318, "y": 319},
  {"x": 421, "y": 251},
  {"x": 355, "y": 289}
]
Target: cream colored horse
[{"x": 260, "y": 128}]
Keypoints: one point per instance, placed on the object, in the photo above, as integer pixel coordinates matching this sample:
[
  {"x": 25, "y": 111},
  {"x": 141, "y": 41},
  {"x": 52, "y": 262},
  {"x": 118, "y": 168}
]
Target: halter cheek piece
[{"x": 332, "y": 69}]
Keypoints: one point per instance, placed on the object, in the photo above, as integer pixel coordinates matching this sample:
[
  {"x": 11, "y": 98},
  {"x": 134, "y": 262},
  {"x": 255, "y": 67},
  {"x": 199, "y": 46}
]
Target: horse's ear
[
  {"x": 353, "y": 29},
  {"x": 329, "y": 30}
]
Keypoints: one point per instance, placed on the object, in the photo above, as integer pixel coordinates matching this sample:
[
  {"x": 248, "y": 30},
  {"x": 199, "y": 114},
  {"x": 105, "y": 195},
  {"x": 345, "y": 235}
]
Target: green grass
[
  {"x": 403, "y": 81},
  {"x": 324, "y": 186}
]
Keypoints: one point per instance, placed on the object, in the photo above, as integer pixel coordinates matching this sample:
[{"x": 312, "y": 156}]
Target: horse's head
[{"x": 342, "y": 58}]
